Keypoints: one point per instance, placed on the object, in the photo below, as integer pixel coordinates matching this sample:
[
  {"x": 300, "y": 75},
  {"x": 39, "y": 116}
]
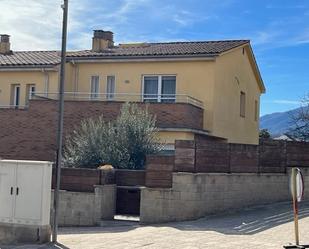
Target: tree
[
  {"x": 300, "y": 122},
  {"x": 264, "y": 134},
  {"x": 123, "y": 143}
]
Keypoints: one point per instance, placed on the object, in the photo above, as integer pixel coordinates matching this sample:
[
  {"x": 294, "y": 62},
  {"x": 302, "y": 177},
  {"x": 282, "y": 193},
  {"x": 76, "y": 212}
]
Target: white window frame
[
  {"x": 31, "y": 93},
  {"x": 110, "y": 96},
  {"x": 94, "y": 95},
  {"x": 159, "y": 98}
]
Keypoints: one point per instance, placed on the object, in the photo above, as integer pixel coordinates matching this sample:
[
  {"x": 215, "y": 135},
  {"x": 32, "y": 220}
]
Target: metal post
[
  {"x": 295, "y": 205},
  {"x": 60, "y": 120}
]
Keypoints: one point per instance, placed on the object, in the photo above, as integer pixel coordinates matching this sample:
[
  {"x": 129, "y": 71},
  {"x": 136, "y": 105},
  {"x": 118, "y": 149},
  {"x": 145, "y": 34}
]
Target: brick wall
[
  {"x": 80, "y": 180},
  {"x": 297, "y": 154},
  {"x": 207, "y": 155},
  {"x": 84, "y": 180},
  {"x": 130, "y": 177},
  {"x": 185, "y": 151},
  {"x": 272, "y": 156},
  {"x": 211, "y": 156},
  {"x": 159, "y": 171},
  {"x": 31, "y": 133},
  {"x": 243, "y": 158}
]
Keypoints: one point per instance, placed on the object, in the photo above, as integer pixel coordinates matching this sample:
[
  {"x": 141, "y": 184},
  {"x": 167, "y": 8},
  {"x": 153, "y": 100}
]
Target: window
[
  {"x": 159, "y": 88},
  {"x": 94, "y": 87},
  {"x": 256, "y": 110},
  {"x": 242, "y": 104},
  {"x": 168, "y": 89},
  {"x": 151, "y": 84},
  {"x": 30, "y": 91},
  {"x": 110, "y": 87}
]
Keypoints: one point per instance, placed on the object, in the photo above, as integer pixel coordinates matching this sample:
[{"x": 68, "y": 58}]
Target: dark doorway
[{"x": 128, "y": 200}]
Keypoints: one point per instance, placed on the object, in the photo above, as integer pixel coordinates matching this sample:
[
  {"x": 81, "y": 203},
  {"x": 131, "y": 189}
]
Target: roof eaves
[
  {"x": 28, "y": 67},
  {"x": 256, "y": 68},
  {"x": 141, "y": 57}
]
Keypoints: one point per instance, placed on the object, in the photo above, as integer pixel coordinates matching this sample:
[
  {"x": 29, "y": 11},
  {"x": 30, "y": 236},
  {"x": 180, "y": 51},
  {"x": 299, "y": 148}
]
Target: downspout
[
  {"x": 76, "y": 71},
  {"x": 46, "y": 82}
]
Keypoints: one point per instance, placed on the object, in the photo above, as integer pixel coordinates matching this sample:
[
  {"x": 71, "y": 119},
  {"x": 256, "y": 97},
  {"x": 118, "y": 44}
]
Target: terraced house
[{"x": 210, "y": 88}]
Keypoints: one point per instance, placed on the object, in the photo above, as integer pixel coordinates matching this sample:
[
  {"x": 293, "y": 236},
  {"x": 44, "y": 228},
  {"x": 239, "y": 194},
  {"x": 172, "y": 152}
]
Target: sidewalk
[{"x": 268, "y": 227}]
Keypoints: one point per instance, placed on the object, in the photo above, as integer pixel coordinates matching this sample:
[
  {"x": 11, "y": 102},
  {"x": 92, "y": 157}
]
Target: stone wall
[
  {"x": 194, "y": 195},
  {"x": 31, "y": 133},
  {"x": 86, "y": 209}
]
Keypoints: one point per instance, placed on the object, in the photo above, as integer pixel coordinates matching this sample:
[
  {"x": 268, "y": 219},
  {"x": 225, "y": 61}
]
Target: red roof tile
[{"x": 51, "y": 58}]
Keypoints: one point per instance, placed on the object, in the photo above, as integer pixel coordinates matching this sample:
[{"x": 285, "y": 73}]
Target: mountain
[{"x": 279, "y": 122}]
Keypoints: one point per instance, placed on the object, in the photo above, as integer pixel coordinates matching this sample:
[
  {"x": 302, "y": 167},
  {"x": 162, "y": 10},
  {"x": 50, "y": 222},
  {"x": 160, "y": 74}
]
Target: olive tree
[
  {"x": 123, "y": 143},
  {"x": 300, "y": 122}
]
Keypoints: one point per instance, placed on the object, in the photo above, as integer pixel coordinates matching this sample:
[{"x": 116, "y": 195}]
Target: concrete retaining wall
[
  {"x": 194, "y": 195},
  {"x": 86, "y": 209}
]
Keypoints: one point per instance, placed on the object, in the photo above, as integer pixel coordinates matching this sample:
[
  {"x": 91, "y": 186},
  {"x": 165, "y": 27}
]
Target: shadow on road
[
  {"x": 247, "y": 221},
  {"x": 28, "y": 246}
]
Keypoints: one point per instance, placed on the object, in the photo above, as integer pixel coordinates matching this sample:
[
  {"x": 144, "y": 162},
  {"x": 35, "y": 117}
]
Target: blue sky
[{"x": 278, "y": 30}]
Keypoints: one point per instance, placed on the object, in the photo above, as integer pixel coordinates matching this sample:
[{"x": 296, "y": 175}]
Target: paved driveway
[{"x": 268, "y": 227}]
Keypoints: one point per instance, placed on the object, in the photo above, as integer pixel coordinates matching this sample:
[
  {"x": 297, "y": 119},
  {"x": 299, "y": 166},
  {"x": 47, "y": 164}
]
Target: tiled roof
[
  {"x": 207, "y": 48},
  {"x": 51, "y": 58},
  {"x": 30, "y": 58}
]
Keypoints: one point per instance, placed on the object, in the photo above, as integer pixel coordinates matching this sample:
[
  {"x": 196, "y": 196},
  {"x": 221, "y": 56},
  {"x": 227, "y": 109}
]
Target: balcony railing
[{"x": 123, "y": 97}]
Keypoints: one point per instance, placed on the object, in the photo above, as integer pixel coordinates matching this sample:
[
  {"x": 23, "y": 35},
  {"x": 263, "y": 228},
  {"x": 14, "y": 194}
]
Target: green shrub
[{"x": 123, "y": 143}]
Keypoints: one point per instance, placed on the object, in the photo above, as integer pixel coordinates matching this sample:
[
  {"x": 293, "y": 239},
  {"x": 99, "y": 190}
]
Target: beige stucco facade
[
  {"x": 44, "y": 80},
  {"x": 216, "y": 81}
]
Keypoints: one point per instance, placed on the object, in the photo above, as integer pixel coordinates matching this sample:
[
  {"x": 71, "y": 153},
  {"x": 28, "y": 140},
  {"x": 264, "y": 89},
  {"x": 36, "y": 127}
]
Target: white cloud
[
  {"x": 282, "y": 6},
  {"x": 37, "y": 24},
  {"x": 283, "y": 102},
  {"x": 33, "y": 25}
]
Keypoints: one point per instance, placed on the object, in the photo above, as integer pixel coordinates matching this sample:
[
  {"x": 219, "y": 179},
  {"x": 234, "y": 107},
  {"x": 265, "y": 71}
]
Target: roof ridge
[
  {"x": 202, "y": 41},
  {"x": 177, "y": 48}
]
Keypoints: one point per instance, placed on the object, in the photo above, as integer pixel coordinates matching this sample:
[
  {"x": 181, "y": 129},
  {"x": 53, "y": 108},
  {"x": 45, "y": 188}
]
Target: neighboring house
[
  {"x": 283, "y": 137},
  {"x": 219, "y": 81}
]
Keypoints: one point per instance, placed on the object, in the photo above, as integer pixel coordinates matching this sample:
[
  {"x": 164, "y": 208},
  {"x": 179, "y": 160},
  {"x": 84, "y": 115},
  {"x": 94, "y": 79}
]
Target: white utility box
[{"x": 25, "y": 193}]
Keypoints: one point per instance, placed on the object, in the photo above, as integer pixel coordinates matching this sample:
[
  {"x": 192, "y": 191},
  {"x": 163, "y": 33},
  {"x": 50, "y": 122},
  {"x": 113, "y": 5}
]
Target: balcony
[
  {"x": 173, "y": 111},
  {"x": 123, "y": 97}
]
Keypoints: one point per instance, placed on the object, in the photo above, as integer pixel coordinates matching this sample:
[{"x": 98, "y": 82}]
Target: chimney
[
  {"x": 102, "y": 40},
  {"x": 5, "y": 46}
]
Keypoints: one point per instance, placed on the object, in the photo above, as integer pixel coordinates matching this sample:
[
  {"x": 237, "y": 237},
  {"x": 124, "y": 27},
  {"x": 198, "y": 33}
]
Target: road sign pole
[
  {"x": 295, "y": 205},
  {"x": 60, "y": 121},
  {"x": 297, "y": 191}
]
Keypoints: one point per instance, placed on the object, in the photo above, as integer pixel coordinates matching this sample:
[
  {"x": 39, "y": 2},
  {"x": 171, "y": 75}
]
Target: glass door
[
  {"x": 151, "y": 84},
  {"x": 159, "y": 89},
  {"x": 168, "y": 89}
]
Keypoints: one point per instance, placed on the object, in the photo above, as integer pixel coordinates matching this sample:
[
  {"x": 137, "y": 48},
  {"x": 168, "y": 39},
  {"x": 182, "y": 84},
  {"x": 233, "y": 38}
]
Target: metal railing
[{"x": 122, "y": 97}]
